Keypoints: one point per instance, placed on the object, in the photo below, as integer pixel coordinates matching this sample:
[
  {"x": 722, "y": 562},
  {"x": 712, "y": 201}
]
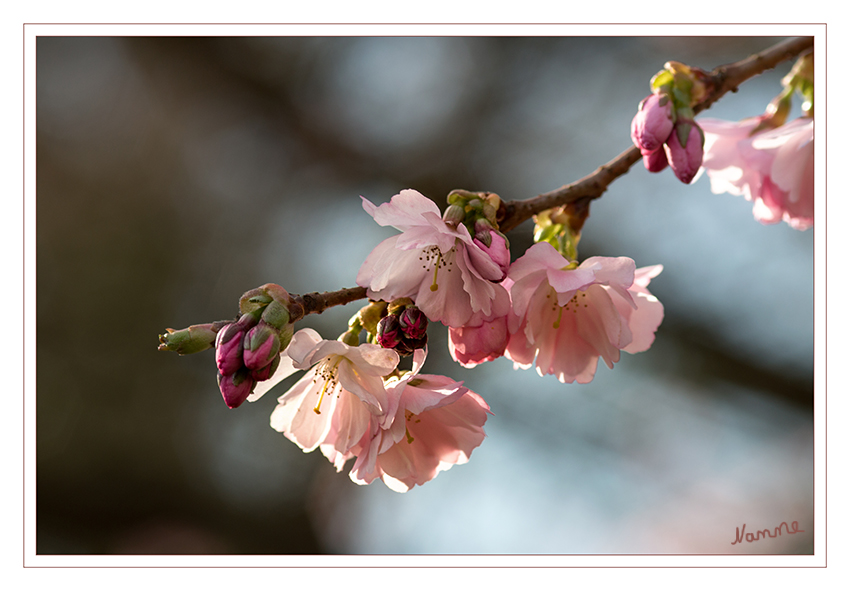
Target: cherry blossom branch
[
  {"x": 720, "y": 81},
  {"x": 316, "y": 303}
]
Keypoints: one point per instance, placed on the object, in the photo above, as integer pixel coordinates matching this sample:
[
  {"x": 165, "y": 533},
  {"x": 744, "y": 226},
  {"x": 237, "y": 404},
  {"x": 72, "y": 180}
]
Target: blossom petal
[
  {"x": 285, "y": 369},
  {"x": 403, "y": 211},
  {"x": 390, "y": 273},
  {"x": 295, "y": 418},
  {"x": 368, "y": 388}
]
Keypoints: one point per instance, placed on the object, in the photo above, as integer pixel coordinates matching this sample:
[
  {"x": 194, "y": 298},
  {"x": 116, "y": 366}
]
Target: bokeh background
[{"x": 173, "y": 174}]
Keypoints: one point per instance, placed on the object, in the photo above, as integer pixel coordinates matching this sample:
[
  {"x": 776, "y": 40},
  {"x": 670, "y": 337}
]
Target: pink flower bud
[
  {"x": 228, "y": 349},
  {"x": 260, "y": 345},
  {"x": 389, "y": 332},
  {"x": 235, "y": 388},
  {"x": 655, "y": 161},
  {"x": 413, "y": 323},
  {"x": 498, "y": 251},
  {"x": 653, "y": 123},
  {"x": 261, "y": 375},
  {"x": 685, "y": 161},
  {"x": 410, "y": 345}
]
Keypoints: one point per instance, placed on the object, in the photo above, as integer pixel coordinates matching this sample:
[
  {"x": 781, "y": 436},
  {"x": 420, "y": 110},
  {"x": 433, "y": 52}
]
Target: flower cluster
[
  {"x": 401, "y": 426},
  {"x": 547, "y": 309},
  {"x": 546, "y": 306}
]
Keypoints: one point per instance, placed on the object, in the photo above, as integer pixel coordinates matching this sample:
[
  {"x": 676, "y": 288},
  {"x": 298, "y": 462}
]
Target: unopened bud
[
  {"x": 266, "y": 372},
  {"x": 370, "y": 315},
  {"x": 412, "y": 344},
  {"x": 236, "y": 388},
  {"x": 389, "y": 333},
  {"x": 413, "y": 322},
  {"x": 399, "y": 305},
  {"x": 655, "y": 161},
  {"x": 260, "y": 346},
  {"x": 276, "y": 315},
  {"x": 196, "y": 338},
  {"x": 453, "y": 215},
  {"x": 653, "y": 122},
  {"x": 685, "y": 158},
  {"x": 228, "y": 349}
]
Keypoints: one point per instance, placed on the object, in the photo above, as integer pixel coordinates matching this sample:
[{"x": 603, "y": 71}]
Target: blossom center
[
  {"x": 327, "y": 371},
  {"x": 434, "y": 256},
  {"x": 409, "y": 416},
  {"x": 574, "y": 304}
]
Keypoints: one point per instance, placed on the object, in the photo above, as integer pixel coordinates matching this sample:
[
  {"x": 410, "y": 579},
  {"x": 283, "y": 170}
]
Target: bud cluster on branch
[{"x": 546, "y": 308}]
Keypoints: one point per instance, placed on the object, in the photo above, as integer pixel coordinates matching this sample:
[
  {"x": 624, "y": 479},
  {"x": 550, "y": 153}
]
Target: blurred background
[{"x": 173, "y": 174}]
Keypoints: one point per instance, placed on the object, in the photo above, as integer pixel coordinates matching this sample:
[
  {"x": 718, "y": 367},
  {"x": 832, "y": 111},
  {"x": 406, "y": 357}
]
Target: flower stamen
[{"x": 328, "y": 371}]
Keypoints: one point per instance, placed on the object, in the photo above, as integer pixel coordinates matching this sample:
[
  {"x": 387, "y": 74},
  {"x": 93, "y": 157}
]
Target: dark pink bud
[
  {"x": 389, "y": 332},
  {"x": 413, "y": 322},
  {"x": 685, "y": 161},
  {"x": 653, "y": 123},
  {"x": 236, "y": 388},
  {"x": 228, "y": 349},
  {"x": 260, "y": 345},
  {"x": 412, "y": 344},
  {"x": 266, "y": 372},
  {"x": 655, "y": 161}
]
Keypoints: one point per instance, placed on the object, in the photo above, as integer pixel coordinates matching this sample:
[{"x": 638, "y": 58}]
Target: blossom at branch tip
[
  {"x": 774, "y": 168},
  {"x": 432, "y": 262},
  {"x": 437, "y": 424},
  {"x": 563, "y": 320},
  {"x": 340, "y": 396}
]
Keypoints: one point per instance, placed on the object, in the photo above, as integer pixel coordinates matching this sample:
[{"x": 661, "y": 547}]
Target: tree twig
[{"x": 721, "y": 80}]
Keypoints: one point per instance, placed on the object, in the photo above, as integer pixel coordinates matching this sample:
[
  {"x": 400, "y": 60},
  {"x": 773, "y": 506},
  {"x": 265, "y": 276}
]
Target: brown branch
[
  {"x": 721, "y": 80},
  {"x": 316, "y": 303}
]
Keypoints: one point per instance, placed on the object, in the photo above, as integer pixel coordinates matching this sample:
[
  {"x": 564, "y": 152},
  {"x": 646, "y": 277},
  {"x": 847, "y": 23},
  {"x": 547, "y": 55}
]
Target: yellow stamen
[
  {"x": 434, "y": 286},
  {"x": 321, "y": 396},
  {"x": 329, "y": 377},
  {"x": 557, "y": 323}
]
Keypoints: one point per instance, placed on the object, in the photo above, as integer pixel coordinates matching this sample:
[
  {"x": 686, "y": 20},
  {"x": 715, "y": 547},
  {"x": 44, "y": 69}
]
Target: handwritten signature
[{"x": 741, "y": 534}]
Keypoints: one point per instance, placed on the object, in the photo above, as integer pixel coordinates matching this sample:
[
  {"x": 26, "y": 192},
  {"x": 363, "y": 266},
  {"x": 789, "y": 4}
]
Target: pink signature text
[{"x": 741, "y": 533}]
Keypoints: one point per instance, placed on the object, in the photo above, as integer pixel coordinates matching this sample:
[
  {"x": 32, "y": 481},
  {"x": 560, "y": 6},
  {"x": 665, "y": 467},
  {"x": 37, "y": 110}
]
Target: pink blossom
[
  {"x": 685, "y": 160},
  {"x": 472, "y": 345},
  {"x": 339, "y": 397},
  {"x": 564, "y": 320},
  {"x": 436, "y": 264},
  {"x": 774, "y": 169},
  {"x": 653, "y": 122},
  {"x": 437, "y": 424}
]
